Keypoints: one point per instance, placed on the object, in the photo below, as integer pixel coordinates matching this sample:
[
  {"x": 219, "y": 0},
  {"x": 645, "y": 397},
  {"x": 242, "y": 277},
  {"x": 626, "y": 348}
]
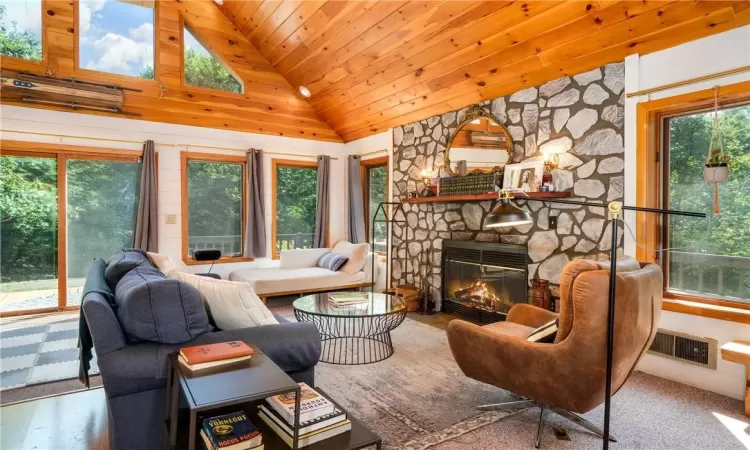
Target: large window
[
  {"x": 116, "y": 36},
  {"x": 204, "y": 70},
  {"x": 295, "y": 186},
  {"x": 375, "y": 191},
  {"x": 708, "y": 258},
  {"x": 215, "y": 186},
  {"x": 21, "y": 29},
  {"x": 58, "y": 211}
]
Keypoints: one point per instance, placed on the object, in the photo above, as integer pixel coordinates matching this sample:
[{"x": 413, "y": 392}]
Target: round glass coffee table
[{"x": 353, "y": 334}]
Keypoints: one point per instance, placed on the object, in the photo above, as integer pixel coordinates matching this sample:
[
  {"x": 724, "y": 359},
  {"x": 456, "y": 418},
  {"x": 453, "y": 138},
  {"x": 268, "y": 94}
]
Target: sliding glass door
[
  {"x": 28, "y": 233},
  {"x": 57, "y": 213},
  {"x": 101, "y": 208}
]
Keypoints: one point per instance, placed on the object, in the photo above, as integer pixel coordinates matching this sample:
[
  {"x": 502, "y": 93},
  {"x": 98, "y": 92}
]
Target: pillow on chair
[
  {"x": 545, "y": 334},
  {"x": 165, "y": 263},
  {"x": 233, "y": 305},
  {"x": 357, "y": 254},
  {"x": 332, "y": 261}
]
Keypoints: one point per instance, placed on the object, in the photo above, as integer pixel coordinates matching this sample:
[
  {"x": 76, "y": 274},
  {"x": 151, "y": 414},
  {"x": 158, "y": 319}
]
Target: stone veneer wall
[{"x": 579, "y": 117}]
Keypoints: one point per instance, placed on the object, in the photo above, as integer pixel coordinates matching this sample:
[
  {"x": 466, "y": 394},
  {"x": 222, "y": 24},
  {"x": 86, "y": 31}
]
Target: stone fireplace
[
  {"x": 482, "y": 280},
  {"x": 580, "y": 117}
]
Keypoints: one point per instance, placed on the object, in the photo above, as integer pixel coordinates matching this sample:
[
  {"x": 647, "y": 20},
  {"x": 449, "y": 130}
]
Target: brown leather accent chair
[{"x": 566, "y": 376}]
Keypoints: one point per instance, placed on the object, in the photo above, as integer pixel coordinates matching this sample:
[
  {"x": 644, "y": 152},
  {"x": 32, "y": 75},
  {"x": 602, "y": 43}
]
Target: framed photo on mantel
[{"x": 523, "y": 176}]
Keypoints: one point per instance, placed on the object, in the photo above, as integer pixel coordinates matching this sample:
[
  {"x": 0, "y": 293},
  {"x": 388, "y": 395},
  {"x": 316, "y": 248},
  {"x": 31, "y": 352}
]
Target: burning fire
[{"x": 479, "y": 293}]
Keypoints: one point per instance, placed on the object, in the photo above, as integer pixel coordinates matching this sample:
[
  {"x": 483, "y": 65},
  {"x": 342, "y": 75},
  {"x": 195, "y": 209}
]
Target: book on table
[
  {"x": 232, "y": 431},
  {"x": 321, "y": 427},
  {"x": 212, "y": 355},
  {"x": 342, "y": 298},
  {"x": 312, "y": 404}
]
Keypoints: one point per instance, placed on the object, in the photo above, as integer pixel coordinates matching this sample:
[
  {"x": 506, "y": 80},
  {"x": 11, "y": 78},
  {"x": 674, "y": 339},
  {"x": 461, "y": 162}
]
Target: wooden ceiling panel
[{"x": 372, "y": 65}]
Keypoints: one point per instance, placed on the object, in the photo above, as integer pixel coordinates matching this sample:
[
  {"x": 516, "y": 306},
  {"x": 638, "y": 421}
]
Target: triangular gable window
[{"x": 204, "y": 70}]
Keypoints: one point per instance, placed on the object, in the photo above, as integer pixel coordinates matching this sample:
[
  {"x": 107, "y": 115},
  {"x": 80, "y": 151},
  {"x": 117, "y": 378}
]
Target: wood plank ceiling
[
  {"x": 372, "y": 65},
  {"x": 268, "y": 105}
]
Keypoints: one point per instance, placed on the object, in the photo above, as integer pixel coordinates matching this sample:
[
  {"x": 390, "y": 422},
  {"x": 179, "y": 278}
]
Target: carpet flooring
[{"x": 419, "y": 399}]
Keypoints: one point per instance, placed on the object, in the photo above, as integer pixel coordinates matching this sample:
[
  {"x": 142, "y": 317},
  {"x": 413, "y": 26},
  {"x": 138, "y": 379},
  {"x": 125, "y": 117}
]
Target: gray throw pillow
[
  {"x": 332, "y": 261},
  {"x": 153, "y": 308},
  {"x": 124, "y": 261}
]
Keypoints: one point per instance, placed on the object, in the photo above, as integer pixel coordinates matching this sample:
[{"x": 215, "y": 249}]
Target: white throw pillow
[
  {"x": 233, "y": 304},
  {"x": 165, "y": 263},
  {"x": 357, "y": 254}
]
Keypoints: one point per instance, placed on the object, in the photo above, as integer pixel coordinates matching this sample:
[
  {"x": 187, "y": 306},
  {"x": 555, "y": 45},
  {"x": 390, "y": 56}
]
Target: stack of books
[
  {"x": 319, "y": 418},
  {"x": 349, "y": 300},
  {"x": 201, "y": 357},
  {"x": 231, "y": 432}
]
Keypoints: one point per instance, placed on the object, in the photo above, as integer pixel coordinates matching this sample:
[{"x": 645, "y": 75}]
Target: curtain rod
[
  {"x": 127, "y": 141},
  {"x": 690, "y": 81}
]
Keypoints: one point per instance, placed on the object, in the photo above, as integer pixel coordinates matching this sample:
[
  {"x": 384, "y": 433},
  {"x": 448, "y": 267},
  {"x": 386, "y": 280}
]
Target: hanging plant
[{"x": 716, "y": 169}]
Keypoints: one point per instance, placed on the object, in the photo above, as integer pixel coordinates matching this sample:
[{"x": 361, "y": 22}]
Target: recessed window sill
[
  {"x": 712, "y": 311},
  {"x": 227, "y": 260}
]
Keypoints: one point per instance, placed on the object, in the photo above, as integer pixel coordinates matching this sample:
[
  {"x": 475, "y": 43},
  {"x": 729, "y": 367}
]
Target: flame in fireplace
[{"x": 480, "y": 295}]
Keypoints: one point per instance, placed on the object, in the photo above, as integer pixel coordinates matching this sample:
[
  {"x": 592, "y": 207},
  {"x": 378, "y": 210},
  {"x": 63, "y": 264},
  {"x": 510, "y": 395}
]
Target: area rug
[
  {"x": 418, "y": 397},
  {"x": 39, "y": 350}
]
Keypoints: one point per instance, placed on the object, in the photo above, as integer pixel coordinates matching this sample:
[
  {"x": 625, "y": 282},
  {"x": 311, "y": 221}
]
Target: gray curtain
[
  {"x": 322, "y": 205},
  {"x": 255, "y": 225},
  {"x": 145, "y": 236},
  {"x": 357, "y": 216}
]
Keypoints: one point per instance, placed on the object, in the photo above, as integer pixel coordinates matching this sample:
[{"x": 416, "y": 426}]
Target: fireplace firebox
[{"x": 482, "y": 280}]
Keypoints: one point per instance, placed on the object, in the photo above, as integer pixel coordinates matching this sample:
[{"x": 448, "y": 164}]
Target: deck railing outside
[{"x": 713, "y": 275}]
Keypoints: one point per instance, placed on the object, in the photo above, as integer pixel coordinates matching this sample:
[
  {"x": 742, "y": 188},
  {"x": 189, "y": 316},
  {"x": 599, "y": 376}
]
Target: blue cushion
[
  {"x": 153, "y": 308},
  {"x": 124, "y": 261},
  {"x": 332, "y": 261}
]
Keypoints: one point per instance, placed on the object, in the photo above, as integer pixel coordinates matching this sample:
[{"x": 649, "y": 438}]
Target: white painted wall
[
  {"x": 705, "y": 56},
  {"x": 36, "y": 125}
]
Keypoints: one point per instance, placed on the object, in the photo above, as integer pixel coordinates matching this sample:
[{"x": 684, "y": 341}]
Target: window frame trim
[
  {"x": 650, "y": 176},
  {"x": 186, "y": 156},
  {"x": 292, "y": 163},
  {"x": 365, "y": 165}
]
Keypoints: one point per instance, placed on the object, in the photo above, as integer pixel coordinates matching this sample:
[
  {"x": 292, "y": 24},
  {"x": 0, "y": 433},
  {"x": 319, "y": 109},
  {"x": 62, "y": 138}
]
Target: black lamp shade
[{"x": 506, "y": 215}]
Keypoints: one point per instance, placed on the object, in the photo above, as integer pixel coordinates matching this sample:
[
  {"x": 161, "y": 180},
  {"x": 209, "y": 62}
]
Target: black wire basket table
[{"x": 353, "y": 334}]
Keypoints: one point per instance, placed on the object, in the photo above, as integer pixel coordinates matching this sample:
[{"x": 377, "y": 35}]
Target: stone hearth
[{"x": 579, "y": 117}]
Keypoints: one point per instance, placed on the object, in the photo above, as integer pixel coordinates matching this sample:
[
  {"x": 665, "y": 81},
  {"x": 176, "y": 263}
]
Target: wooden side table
[{"x": 739, "y": 352}]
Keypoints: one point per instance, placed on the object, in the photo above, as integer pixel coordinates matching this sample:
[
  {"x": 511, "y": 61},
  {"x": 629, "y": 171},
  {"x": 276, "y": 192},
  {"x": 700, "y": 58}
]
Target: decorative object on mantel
[
  {"x": 480, "y": 144},
  {"x": 716, "y": 169},
  {"x": 504, "y": 216},
  {"x": 551, "y": 162},
  {"x": 481, "y": 197},
  {"x": 525, "y": 176},
  {"x": 66, "y": 92},
  {"x": 472, "y": 184}
]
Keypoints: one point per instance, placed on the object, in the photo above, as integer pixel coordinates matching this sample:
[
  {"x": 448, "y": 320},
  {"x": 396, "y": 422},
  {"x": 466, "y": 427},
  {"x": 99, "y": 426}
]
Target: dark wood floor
[{"x": 78, "y": 421}]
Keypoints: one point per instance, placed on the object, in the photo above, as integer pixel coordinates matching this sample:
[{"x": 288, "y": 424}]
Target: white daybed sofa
[{"x": 298, "y": 272}]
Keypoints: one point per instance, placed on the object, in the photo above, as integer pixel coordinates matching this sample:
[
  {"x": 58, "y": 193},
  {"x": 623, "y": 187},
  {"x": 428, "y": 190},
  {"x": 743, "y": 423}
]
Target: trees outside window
[
  {"x": 214, "y": 206},
  {"x": 204, "y": 70},
  {"x": 294, "y": 203},
  {"x": 21, "y": 29},
  {"x": 711, "y": 257},
  {"x": 375, "y": 190}
]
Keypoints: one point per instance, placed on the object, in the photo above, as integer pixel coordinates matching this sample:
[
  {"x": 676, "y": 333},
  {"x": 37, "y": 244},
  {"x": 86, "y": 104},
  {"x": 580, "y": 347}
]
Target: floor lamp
[{"x": 506, "y": 214}]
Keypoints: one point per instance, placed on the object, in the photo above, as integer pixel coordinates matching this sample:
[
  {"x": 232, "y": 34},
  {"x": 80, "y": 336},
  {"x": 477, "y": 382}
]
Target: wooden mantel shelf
[{"x": 482, "y": 197}]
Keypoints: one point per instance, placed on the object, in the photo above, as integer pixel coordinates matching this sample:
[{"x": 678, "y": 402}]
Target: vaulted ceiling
[{"x": 372, "y": 65}]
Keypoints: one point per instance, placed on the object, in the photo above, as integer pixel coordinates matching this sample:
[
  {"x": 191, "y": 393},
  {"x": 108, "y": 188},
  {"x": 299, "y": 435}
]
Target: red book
[{"x": 200, "y": 354}]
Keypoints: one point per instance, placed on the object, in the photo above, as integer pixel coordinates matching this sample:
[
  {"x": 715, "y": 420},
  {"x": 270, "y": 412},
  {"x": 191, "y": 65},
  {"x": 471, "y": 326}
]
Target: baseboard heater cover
[{"x": 692, "y": 349}]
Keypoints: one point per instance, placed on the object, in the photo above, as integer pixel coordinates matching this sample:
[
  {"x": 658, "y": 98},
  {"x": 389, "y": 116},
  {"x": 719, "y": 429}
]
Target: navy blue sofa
[{"x": 134, "y": 374}]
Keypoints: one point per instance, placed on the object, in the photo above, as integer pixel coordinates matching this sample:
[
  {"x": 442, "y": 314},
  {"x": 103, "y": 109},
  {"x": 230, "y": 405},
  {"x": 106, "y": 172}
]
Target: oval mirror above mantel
[{"x": 480, "y": 144}]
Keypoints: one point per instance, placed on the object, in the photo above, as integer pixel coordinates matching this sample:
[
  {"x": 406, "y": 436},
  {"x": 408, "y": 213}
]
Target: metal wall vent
[{"x": 685, "y": 347}]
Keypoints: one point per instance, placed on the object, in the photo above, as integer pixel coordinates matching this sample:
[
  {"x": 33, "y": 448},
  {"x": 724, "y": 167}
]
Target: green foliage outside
[
  {"x": 724, "y": 234},
  {"x": 17, "y": 43},
  {"x": 215, "y": 205},
  {"x": 378, "y": 178},
  {"x": 204, "y": 71},
  {"x": 102, "y": 201},
  {"x": 296, "y": 195}
]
